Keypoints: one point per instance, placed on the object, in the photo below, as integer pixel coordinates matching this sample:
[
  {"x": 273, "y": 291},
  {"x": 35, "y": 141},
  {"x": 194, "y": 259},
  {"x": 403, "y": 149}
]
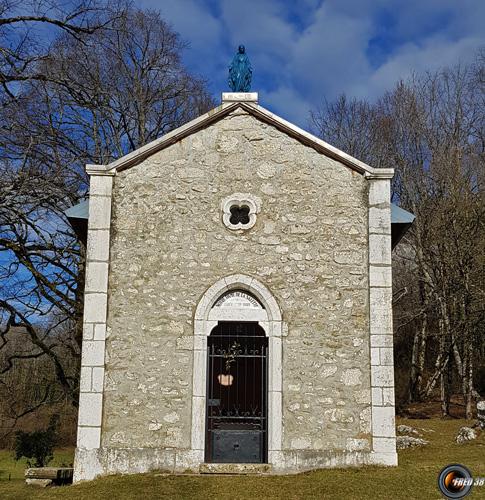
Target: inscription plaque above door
[{"x": 238, "y": 298}]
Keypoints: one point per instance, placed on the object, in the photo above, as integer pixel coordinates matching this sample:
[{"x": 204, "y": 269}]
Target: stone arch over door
[{"x": 205, "y": 319}]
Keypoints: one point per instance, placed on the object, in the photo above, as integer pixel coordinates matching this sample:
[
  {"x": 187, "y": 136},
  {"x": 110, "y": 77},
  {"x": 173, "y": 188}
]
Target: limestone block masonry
[{"x": 160, "y": 256}]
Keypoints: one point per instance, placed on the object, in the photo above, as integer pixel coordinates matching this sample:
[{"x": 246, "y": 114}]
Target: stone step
[{"x": 208, "y": 468}]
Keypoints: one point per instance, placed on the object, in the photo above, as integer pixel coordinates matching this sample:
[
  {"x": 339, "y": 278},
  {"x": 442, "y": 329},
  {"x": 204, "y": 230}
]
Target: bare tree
[
  {"x": 22, "y": 29},
  {"x": 128, "y": 84},
  {"x": 352, "y": 124},
  {"x": 431, "y": 130},
  {"x": 108, "y": 92},
  {"x": 29, "y": 389}
]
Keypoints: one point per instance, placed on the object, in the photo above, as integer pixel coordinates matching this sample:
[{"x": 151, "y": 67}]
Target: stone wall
[{"x": 309, "y": 246}]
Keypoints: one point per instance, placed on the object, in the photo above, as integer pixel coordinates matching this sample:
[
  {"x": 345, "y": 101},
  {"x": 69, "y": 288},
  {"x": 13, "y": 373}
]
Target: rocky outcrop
[
  {"x": 465, "y": 434},
  {"x": 403, "y": 442}
]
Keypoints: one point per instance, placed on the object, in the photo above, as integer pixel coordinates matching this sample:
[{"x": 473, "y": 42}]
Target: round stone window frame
[{"x": 240, "y": 199}]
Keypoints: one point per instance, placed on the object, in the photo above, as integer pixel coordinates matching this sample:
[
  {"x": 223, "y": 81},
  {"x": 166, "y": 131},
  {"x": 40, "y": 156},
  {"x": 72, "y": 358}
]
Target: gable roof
[{"x": 219, "y": 113}]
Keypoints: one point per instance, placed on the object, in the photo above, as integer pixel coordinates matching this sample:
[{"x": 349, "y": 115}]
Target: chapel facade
[{"x": 237, "y": 303}]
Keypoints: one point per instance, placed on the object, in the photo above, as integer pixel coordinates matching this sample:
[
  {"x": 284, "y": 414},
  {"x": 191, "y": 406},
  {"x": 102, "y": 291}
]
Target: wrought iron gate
[{"x": 237, "y": 394}]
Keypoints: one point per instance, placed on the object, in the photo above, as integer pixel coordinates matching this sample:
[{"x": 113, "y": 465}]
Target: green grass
[
  {"x": 15, "y": 487},
  {"x": 414, "y": 478},
  {"x": 9, "y": 467}
]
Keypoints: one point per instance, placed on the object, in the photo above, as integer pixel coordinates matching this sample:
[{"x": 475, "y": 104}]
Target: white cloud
[
  {"x": 304, "y": 51},
  {"x": 190, "y": 18},
  {"x": 329, "y": 52},
  {"x": 260, "y": 23},
  {"x": 435, "y": 53},
  {"x": 197, "y": 26},
  {"x": 289, "y": 104}
]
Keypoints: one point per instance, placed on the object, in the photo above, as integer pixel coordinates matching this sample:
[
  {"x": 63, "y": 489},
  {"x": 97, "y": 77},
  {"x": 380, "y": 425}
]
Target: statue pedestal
[{"x": 240, "y": 97}]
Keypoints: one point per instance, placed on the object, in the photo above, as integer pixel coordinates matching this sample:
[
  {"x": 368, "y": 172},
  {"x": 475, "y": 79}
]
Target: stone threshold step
[{"x": 235, "y": 468}]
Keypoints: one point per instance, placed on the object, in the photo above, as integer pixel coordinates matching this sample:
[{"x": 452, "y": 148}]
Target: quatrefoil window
[
  {"x": 239, "y": 210},
  {"x": 239, "y": 215}
]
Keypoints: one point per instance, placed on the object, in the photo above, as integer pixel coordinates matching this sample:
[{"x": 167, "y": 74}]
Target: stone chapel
[{"x": 238, "y": 302}]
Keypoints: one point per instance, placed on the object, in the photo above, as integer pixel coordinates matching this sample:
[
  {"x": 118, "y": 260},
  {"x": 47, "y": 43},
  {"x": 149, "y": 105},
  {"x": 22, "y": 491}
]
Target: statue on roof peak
[{"x": 240, "y": 72}]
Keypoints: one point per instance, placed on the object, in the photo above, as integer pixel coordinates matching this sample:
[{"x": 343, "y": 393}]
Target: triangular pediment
[{"x": 220, "y": 113}]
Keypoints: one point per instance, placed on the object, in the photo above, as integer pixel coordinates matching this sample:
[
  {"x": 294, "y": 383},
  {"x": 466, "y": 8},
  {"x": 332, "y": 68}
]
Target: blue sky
[{"x": 305, "y": 50}]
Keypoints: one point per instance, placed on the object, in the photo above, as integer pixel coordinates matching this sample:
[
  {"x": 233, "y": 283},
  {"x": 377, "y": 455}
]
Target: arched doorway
[
  {"x": 237, "y": 401},
  {"x": 238, "y": 309}
]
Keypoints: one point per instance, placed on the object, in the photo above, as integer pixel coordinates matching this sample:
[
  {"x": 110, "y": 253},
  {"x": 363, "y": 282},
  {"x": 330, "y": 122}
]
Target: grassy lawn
[
  {"x": 15, "y": 487},
  {"x": 415, "y": 478}
]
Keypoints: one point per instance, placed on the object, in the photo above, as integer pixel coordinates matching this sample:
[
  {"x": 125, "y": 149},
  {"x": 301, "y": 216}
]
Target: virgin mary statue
[{"x": 240, "y": 72}]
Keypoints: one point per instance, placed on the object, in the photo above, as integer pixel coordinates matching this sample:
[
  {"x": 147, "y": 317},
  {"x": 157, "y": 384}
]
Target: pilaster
[
  {"x": 94, "y": 324},
  {"x": 380, "y": 320}
]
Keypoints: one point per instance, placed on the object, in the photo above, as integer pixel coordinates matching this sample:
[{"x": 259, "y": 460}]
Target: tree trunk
[
  {"x": 420, "y": 341},
  {"x": 417, "y": 361},
  {"x": 445, "y": 388},
  {"x": 440, "y": 366},
  {"x": 469, "y": 378}
]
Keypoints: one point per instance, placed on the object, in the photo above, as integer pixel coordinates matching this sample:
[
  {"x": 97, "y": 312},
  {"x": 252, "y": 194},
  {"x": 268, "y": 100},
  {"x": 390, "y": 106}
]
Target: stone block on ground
[
  {"x": 56, "y": 475},
  {"x": 40, "y": 483},
  {"x": 465, "y": 434}
]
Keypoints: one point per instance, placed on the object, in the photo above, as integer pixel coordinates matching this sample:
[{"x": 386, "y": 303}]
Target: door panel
[{"x": 237, "y": 394}]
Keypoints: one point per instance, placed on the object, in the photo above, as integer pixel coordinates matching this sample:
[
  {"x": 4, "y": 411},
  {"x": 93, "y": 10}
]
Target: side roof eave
[
  {"x": 217, "y": 114},
  {"x": 398, "y": 214}
]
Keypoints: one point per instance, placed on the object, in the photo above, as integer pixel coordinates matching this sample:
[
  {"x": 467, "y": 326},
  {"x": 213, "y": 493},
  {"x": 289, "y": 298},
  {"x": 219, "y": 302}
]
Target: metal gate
[{"x": 237, "y": 394}]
